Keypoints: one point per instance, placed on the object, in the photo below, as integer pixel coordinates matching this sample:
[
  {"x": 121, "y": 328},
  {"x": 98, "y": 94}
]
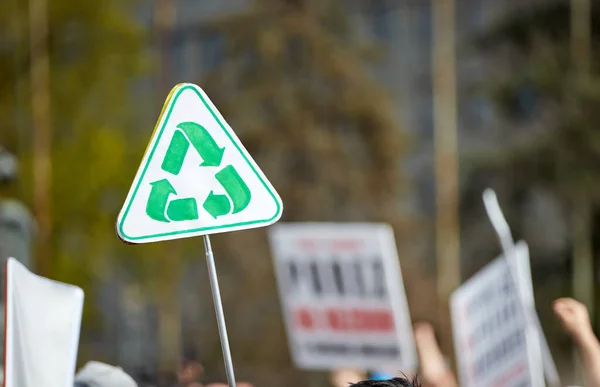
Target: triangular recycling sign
[{"x": 196, "y": 177}]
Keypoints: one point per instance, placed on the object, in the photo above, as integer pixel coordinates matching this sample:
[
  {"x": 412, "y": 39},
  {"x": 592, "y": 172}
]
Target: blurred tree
[
  {"x": 296, "y": 83},
  {"x": 293, "y": 79},
  {"x": 545, "y": 88},
  {"x": 547, "y": 107},
  {"x": 96, "y": 53},
  {"x": 537, "y": 89}
]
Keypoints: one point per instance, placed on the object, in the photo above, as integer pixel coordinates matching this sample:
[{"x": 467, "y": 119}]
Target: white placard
[
  {"x": 43, "y": 319},
  {"x": 196, "y": 177},
  {"x": 494, "y": 344},
  {"x": 342, "y": 296},
  {"x": 492, "y": 207}
]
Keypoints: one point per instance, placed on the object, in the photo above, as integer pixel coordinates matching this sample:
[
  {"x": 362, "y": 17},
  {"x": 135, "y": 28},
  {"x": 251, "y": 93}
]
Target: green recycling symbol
[{"x": 237, "y": 197}]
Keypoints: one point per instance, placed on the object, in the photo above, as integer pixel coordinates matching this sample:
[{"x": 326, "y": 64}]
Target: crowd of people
[
  {"x": 434, "y": 371},
  {"x": 433, "y": 367}
]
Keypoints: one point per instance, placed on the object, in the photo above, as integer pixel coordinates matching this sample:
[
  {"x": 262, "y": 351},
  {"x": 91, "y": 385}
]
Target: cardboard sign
[
  {"x": 43, "y": 319},
  {"x": 342, "y": 296},
  {"x": 495, "y": 345},
  {"x": 196, "y": 177}
]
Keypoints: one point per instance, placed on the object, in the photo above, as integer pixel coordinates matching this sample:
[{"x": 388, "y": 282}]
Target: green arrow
[
  {"x": 183, "y": 209},
  {"x": 236, "y": 188},
  {"x": 157, "y": 202},
  {"x": 204, "y": 143},
  {"x": 217, "y": 205},
  {"x": 176, "y": 153}
]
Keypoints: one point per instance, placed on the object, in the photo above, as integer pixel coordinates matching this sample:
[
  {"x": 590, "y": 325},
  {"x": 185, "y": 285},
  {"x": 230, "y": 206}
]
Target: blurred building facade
[{"x": 403, "y": 29}]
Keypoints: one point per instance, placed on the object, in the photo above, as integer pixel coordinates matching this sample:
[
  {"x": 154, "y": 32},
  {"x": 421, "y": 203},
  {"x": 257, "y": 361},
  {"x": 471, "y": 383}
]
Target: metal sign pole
[{"x": 216, "y": 293}]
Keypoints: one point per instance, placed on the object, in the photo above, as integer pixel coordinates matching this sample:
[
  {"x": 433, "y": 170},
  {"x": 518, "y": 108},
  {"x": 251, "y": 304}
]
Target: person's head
[
  {"x": 8, "y": 167},
  {"x": 395, "y": 382},
  {"x": 345, "y": 377},
  {"x": 96, "y": 374},
  {"x": 190, "y": 369}
]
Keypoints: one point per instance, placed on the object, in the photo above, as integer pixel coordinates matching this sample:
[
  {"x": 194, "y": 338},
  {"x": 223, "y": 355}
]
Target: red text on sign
[{"x": 344, "y": 320}]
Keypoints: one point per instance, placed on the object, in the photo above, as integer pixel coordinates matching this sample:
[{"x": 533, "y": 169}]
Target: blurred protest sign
[
  {"x": 8, "y": 166},
  {"x": 196, "y": 177},
  {"x": 17, "y": 228},
  {"x": 342, "y": 295},
  {"x": 502, "y": 228},
  {"x": 495, "y": 346},
  {"x": 16, "y": 222},
  {"x": 43, "y": 319}
]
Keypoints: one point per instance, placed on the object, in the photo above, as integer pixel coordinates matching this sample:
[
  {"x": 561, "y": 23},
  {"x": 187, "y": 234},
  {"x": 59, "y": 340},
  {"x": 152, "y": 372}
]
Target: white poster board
[
  {"x": 494, "y": 344},
  {"x": 342, "y": 296},
  {"x": 492, "y": 207},
  {"x": 43, "y": 319}
]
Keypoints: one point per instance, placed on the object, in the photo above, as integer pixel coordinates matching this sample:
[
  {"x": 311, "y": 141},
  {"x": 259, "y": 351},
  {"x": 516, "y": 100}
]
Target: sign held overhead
[
  {"x": 495, "y": 345},
  {"x": 196, "y": 177},
  {"x": 492, "y": 207},
  {"x": 342, "y": 295}
]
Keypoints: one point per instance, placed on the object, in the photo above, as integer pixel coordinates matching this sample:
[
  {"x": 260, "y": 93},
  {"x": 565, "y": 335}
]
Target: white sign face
[
  {"x": 492, "y": 207},
  {"x": 494, "y": 344},
  {"x": 196, "y": 177},
  {"x": 43, "y": 319},
  {"x": 342, "y": 296}
]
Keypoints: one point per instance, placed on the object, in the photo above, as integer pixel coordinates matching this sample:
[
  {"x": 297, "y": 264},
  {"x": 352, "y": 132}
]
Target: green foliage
[
  {"x": 96, "y": 55},
  {"x": 538, "y": 91}
]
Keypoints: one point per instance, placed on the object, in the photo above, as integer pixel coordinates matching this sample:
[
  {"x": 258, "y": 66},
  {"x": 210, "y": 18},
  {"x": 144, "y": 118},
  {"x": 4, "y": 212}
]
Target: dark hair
[
  {"x": 395, "y": 382},
  {"x": 190, "y": 354},
  {"x": 189, "y": 358}
]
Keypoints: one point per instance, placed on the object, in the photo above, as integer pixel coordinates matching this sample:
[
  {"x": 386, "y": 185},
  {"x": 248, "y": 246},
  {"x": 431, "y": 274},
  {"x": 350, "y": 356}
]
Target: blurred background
[{"x": 398, "y": 111}]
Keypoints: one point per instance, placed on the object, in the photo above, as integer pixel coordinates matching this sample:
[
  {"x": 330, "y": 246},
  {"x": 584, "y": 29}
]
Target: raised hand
[
  {"x": 574, "y": 317},
  {"x": 433, "y": 369}
]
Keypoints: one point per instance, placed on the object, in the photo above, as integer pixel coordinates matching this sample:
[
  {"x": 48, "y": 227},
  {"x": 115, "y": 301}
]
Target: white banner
[
  {"x": 342, "y": 295},
  {"x": 495, "y": 346},
  {"x": 43, "y": 319}
]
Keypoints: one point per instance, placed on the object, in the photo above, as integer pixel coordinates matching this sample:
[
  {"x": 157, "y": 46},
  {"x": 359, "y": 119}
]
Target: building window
[
  {"x": 520, "y": 104},
  {"x": 379, "y": 12},
  {"x": 178, "y": 55},
  {"x": 212, "y": 48},
  {"x": 426, "y": 190},
  {"x": 475, "y": 112},
  {"x": 473, "y": 15},
  {"x": 526, "y": 99},
  {"x": 424, "y": 29}
]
